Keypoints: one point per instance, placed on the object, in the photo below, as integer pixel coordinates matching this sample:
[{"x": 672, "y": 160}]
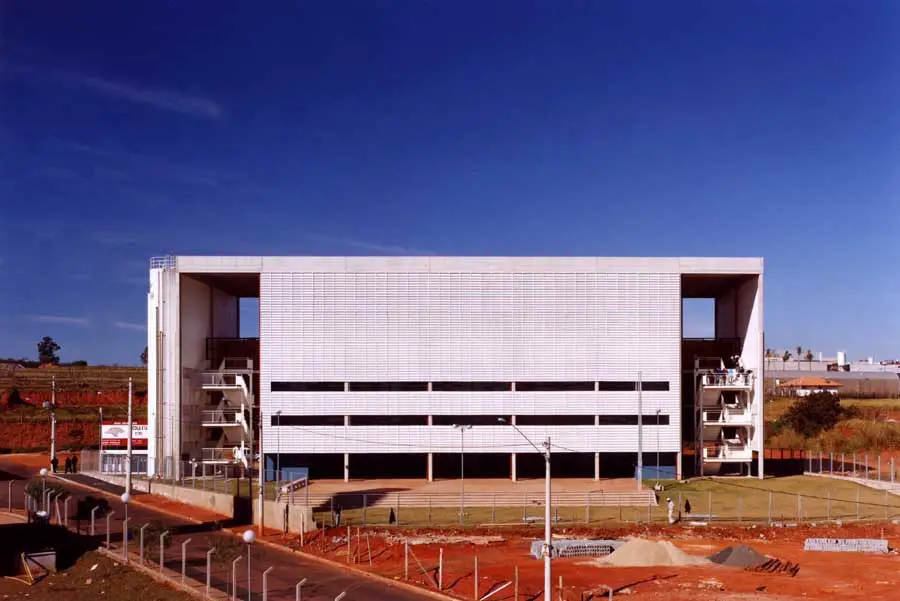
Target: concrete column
[
  {"x": 678, "y": 465},
  {"x": 430, "y": 468},
  {"x": 596, "y": 466},
  {"x": 513, "y": 465}
]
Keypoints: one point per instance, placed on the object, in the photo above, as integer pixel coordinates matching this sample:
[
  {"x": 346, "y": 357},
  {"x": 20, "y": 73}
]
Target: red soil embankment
[
  {"x": 76, "y": 398},
  {"x": 35, "y": 435}
]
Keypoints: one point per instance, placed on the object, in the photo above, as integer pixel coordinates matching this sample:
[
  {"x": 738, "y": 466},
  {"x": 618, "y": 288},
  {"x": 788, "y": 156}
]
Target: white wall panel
[{"x": 394, "y": 325}]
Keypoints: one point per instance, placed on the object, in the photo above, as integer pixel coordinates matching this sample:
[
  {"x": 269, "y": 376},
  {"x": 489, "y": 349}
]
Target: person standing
[
  {"x": 670, "y": 508},
  {"x": 54, "y": 463},
  {"x": 68, "y": 466},
  {"x": 74, "y": 464}
]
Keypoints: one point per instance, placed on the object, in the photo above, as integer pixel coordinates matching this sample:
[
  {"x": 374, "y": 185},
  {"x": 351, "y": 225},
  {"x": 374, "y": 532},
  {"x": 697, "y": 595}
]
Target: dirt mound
[
  {"x": 739, "y": 556},
  {"x": 640, "y": 552}
]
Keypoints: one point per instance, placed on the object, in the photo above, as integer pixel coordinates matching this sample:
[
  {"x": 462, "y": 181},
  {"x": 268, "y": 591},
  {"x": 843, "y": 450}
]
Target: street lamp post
[
  {"x": 43, "y": 473},
  {"x": 658, "y": 411},
  {"x": 462, "y": 472},
  {"x": 51, "y": 406},
  {"x": 128, "y": 452},
  {"x": 249, "y": 536},
  {"x": 277, "y": 445},
  {"x": 548, "y": 541}
]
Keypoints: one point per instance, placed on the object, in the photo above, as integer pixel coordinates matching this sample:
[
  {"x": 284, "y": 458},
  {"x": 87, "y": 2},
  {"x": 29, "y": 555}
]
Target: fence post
[
  {"x": 365, "y": 504},
  {"x": 94, "y": 519},
  {"x": 184, "y": 559},
  {"x": 560, "y": 588},
  {"x": 740, "y": 509},
  {"x": 494, "y": 508},
  {"x": 125, "y": 539},
  {"x": 397, "y": 524},
  {"x": 108, "y": 516},
  {"x": 298, "y": 590},
  {"x": 9, "y": 496},
  {"x": 209, "y": 568},
  {"x": 709, "y": 508},
  {"x": 406, "y": 561},
  {"x": 770, "y": 508},
  {"x": 516, "y": 583},
  {"x": 234, "y": 577},
  {"x": 162, "y": 551},
  {"x": 857, "y": 503},
  {"x": 429, "y": 510},
  {"x": 867, "y": 466},
  {"x": 831, "y": 463},
  {"x": 441, "y": 569},
  {"x": 828, "y": 493},
  {"x": 879, "y": 467},
  {"x": 885, "y": 504},
  {"x": 587, "y": 509},
  {"x": 799, "y": 509},
  {"x": 266, "y": 583},
  {"x": 66, "y": 511},
  {"x": 854, "y": 465},
  {"x": 332, "y": 511},
  {"x": 477, "y": 596},
  {"x": 349, "y": 544}
]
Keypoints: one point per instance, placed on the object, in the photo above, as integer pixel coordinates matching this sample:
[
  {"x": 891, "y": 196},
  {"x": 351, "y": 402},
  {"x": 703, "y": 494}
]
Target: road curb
[{"x": 287, "y": 550}]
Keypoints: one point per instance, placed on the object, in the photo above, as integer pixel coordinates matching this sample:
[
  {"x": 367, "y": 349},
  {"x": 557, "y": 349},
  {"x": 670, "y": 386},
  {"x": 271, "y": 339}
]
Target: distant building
[{"x": 807, "y": 385}]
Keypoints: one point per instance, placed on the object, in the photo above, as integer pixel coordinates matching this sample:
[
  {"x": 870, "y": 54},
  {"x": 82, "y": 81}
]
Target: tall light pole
[
  {"x": 128, "y": 452},
  {"x": 249, "y": 536},
  {"x": 548, "y": 541},
  {"x": 462, "y": 472},
  {"x": 277, "y": 444},
  {"x": 100, "y": 452},
  {"x": 51, "y": 406},
  {"x": 640, "y": 433},
  {"x": 43, "y": 473},
  {"x": 658, "y": 411},
  {"x": 126, "y": 499}
]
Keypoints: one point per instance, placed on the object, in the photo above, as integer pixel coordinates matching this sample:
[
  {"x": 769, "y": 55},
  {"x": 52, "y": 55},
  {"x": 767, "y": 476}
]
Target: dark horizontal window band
[
  {"x": 471, "y": 386},
  {"x": 307, "y": 420},
  {"x": 469, "y": 420},
  {"x": 388, "y": 386},
  {"x": 307, "y": 387},
  {"x": 554, "y": 386},
  {"x": 388, "y": 420},
  {"x": 554, "y": 420},
  {"x": 602, "y": 386}
]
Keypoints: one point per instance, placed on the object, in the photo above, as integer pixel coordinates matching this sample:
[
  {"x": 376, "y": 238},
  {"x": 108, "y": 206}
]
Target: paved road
[{"x": 323, "y": 582}]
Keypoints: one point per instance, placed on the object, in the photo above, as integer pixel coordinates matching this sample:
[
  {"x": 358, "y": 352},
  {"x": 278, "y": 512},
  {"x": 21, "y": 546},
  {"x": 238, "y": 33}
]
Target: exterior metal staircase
[{"x": 230, "y": 421}]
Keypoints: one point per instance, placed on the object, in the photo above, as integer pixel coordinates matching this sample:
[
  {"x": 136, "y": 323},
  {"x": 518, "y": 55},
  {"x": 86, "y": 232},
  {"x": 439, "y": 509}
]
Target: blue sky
[{"x": 137, "y": 129}]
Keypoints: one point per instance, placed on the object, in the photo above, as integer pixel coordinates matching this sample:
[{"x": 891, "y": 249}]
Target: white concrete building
[{"x": 363, "y": 365}]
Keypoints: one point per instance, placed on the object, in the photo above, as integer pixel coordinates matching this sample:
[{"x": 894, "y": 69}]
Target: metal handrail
[
  {"x": 216, "y": 378},
  {"x": 727, "y": 379},
  {"x": 222, "y": 416}
]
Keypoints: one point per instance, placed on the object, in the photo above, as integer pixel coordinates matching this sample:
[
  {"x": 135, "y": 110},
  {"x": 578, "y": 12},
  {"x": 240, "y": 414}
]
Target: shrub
[{"x": 812, "y": 414}]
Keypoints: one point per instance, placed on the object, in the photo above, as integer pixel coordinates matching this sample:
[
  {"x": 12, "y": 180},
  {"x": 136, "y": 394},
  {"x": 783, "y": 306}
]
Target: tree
[
  {"x": 809, "y": 355},
  {"x": 812, "y": 414},
  {"x": 144, "y": 356},
  {"x": 47, "y": 351},
  {"x": 799, "y": 352},
  {"x": 786, "y": 356}
]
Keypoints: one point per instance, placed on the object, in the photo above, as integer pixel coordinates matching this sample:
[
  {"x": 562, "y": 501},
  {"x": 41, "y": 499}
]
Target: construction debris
[
  {"x": 739, "y": 556},
  {"x": 847, "y": 545},
  {"x": 776, "y": 566},
  {"x": 639, "y": 552},
  {"x": 576, "y": 548}
]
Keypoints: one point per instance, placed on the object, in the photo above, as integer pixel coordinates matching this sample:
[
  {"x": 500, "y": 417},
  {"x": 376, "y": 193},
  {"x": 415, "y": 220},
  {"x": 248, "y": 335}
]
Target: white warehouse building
[{"x": 375, "y": 367}]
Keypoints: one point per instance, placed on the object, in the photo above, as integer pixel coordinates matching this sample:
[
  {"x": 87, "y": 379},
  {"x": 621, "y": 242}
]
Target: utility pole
[
  {"x": 130, "y": 428},
  {"x": 462, "y": 474},
  {"x": 640, "y": 452}
]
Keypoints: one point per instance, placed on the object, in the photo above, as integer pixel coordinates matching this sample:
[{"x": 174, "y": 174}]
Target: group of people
[
  {"x": 670, "y": 507},
  {"x": 71, "y": 465}
]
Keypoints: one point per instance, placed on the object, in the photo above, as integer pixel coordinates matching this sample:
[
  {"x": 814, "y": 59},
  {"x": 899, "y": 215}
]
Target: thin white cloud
[
  {"x": 166, "y": 100},
  {"x": 128, "y": 325},
  {"x": 60, "y": 319},
  {"x": 372, "y": 246}
]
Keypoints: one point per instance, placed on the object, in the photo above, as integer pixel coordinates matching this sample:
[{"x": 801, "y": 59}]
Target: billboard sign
[{"x": 114, "y": 436}]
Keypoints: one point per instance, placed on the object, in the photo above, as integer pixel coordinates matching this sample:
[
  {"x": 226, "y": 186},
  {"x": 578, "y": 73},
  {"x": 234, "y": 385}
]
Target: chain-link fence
[{"x": 863, "y": 466}]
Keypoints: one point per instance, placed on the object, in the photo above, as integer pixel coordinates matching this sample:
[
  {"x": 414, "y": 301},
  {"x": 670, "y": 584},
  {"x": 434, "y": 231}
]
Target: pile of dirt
[
  {"x": 639, "y": 553},
  {"x": 739, "y": 556}
]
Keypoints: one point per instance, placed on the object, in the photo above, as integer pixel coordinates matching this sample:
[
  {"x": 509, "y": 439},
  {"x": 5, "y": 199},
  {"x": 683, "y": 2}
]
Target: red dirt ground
[{"x": 832, "y": 575}]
